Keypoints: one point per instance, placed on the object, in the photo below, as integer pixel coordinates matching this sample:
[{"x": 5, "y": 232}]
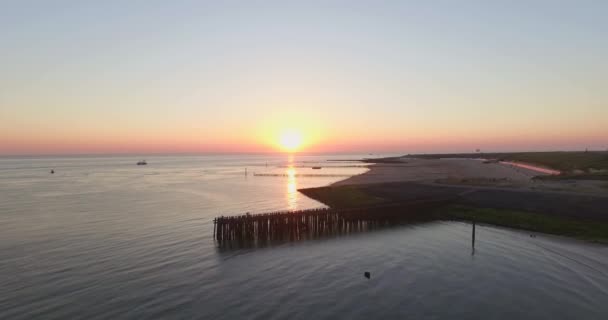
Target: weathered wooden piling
[
  {"x": 313, "y": 223},
  {"x": 473, "y": 239}
]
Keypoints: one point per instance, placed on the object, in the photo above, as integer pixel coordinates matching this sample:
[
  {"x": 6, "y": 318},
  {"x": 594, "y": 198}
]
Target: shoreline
[
  {"x": 493, "y": 193},
  {"x": 473, "y": 172},
  {"x": 429, "y": 170}
]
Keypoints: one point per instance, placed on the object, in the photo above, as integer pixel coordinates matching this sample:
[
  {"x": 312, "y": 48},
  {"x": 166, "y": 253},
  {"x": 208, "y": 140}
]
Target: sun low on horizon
[
  {"x": 290, "y": 132},
  {"x": 290, "y": 140}
]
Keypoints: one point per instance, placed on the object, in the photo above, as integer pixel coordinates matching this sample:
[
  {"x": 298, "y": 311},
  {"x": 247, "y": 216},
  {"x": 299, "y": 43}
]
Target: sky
[{"x": 348, "y": 76}]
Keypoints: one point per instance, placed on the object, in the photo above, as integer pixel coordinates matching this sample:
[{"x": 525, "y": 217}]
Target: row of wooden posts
[
  {"x": 311, "y": 223},
  {"x": 301, "y": 175}
]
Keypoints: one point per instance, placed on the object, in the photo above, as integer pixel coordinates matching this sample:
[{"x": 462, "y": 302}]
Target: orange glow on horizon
[{"x": 311, "y": 135}]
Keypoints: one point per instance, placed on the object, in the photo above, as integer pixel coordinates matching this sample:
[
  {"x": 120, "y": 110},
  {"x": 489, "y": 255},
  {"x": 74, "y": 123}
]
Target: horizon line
[{"x": 197, "y": 153}]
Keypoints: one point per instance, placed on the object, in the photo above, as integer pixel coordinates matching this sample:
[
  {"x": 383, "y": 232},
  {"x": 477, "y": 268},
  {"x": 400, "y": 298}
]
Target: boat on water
[
  {"x": 142, "y": 163},
  {"x": 316, "y": 167}
]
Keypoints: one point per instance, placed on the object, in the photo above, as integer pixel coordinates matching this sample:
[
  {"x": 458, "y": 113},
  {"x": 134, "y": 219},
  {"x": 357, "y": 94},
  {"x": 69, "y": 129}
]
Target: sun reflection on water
[{"x": 292, "y": 189}]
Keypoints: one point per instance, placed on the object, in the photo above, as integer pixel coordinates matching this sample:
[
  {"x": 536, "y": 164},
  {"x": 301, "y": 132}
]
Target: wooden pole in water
[{"x": 473, "y": 239}]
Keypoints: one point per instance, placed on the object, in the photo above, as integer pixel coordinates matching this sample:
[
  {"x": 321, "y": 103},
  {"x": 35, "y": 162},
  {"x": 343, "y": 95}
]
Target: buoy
[
  {"x": 52, "y": 171},
  {"x": 367, "y": 274}
]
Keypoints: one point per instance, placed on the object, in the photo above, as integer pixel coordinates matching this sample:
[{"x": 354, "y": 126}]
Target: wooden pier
[{"x": 314, "y": 223}]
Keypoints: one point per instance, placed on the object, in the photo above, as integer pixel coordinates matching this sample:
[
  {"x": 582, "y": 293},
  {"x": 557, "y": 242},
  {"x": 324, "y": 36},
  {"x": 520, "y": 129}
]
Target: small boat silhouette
[
  {"x": 142, "y": 163},
  {"x": 316, "y": 167}
]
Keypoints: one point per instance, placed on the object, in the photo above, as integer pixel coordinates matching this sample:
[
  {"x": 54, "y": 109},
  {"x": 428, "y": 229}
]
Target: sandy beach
[
  {"x": 430, "y": 170},
  {"x": 474, "y": 172}
]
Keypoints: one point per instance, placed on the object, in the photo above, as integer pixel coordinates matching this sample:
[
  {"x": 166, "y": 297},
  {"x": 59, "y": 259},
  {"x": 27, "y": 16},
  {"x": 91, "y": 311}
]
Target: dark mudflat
[{"x": 568, "y": 205}]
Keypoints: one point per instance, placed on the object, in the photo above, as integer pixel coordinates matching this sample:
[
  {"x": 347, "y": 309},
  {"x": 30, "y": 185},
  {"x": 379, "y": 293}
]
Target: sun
[{"x": 290, "y": 140}]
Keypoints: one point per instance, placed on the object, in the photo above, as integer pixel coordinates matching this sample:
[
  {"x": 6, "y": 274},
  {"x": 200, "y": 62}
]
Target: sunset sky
[{"x": 345, "y": 76}]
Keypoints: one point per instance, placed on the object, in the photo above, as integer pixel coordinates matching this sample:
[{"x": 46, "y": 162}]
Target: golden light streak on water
[{"x": 292, "y": 189}]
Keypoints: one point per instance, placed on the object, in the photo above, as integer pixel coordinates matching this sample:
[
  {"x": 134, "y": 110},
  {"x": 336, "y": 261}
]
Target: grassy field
[
  {"x": 586, "y": 230},
  {"x": 559, "y": 160},
  {"x": 603, "y": 176}
]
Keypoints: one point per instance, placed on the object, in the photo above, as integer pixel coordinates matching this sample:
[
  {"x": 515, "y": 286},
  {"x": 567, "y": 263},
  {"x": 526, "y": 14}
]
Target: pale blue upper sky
[{"x": 524, "y": 74}]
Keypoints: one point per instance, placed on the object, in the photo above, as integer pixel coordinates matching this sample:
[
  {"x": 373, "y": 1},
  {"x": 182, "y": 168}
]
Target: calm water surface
[{"x": 105, "y": 239}]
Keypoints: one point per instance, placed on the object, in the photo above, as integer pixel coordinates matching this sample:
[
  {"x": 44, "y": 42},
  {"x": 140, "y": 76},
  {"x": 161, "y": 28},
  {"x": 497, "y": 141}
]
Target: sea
[{"x": 104, "y": 238}]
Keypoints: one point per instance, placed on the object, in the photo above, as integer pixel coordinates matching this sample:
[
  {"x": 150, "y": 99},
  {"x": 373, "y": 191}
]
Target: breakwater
[
  {"x": 289, "y": 175},
  {"x": 315, "y": 223}
]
